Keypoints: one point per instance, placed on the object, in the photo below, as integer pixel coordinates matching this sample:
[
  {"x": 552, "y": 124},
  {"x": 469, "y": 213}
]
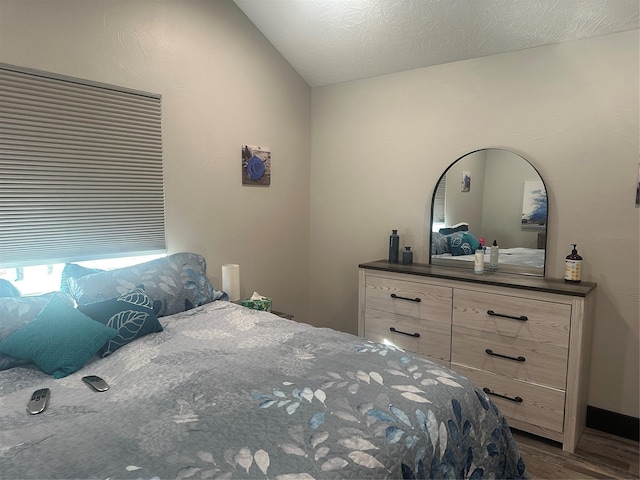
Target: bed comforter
[{"x": 227, "y": 392}]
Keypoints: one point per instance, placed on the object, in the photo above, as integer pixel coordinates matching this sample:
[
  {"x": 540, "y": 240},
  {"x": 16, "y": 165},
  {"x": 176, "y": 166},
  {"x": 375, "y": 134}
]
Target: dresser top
[{"x": 525, "y": 282}]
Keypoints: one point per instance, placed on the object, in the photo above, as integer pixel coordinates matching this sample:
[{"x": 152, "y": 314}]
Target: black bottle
[
  {"x": 407, "y": 256},
  {"x": 394, "y": 246}
]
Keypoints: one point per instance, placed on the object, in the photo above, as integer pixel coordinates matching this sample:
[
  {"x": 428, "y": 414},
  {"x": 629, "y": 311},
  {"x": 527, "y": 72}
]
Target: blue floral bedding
[{"x": 227, "y": 392}]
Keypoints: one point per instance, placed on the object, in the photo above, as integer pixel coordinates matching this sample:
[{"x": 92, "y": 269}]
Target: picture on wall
[
  {"x": 534, "y": 205},
  {"x": 466, "y": 181},
  {"x": 256, "y": 165}
]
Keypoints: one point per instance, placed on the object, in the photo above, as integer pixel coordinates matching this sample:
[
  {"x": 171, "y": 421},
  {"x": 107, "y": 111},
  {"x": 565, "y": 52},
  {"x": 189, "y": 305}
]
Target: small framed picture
[
  {"x": 256, "y": 165},
  {"x": 466, "y": 181}
]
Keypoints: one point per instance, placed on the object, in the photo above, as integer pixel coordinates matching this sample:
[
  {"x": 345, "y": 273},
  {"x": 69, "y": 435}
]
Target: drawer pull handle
[
  {"x": 489, "y": 392},
  {"x": 492, "y": 353},
  {"x": 416, "y": 335},
  {"x": 522, "y": 318},
  {"x": 417, "y": 300}
]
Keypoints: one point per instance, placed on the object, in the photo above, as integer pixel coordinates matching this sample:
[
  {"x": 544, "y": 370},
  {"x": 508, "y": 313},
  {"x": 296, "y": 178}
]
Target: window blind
[
  {"x": 438, "y": 200},
  {"x": 81, "y": 172}
]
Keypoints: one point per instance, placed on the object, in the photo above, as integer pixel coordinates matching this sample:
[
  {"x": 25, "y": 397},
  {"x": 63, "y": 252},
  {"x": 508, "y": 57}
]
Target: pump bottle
[
  {"x": 573, "y": 266},
  {"x": 493, "y": 258}
]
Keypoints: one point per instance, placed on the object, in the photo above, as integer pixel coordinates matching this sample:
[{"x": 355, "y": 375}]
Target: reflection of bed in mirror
[
  {"x": 519, "y": 259},
  {"x": 456, "y": 247},
  {"x": 504, "y": 200}
]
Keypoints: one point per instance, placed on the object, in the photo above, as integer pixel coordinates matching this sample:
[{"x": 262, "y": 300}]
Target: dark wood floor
[{"x": 598, "y": 455}]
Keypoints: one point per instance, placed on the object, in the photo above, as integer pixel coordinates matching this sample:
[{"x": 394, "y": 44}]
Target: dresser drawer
[
  {"x": 433, "y": 339},
  {"x": 539, "y": 406},
  {"x": 513, "y": 316},
  {"x": 534, "y": 362},
  {"x": 411, "y": 299}
]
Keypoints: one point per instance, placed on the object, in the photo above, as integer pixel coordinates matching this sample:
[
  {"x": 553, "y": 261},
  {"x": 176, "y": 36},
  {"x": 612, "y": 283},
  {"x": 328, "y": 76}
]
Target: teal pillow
[
  {"x": 462, "y": 243},
  {"x": 60, "y": 340},
  {"x": 131, "y": 314},
  {"x": 16, "y": 312}
]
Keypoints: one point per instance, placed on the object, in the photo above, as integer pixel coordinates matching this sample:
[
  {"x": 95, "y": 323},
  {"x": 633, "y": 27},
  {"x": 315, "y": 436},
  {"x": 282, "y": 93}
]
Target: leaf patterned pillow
[
  {"x": 131, "y": 314},
  {"x": 175, "y": 283}
]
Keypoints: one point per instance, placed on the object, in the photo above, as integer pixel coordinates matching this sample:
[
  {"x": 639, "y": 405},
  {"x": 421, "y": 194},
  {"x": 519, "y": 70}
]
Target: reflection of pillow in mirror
[
  {"x": 460, "y": 227},
  {"x": 439, "y": 243},
  {"x": 463, "y": 243}
]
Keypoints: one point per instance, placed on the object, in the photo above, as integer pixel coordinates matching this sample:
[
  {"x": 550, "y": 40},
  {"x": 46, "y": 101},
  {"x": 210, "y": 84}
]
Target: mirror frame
[{"x": 505, "y": 268}]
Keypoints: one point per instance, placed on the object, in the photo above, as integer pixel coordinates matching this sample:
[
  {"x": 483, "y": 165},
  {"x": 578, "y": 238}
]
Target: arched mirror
[{"x": 486, "y": 195}]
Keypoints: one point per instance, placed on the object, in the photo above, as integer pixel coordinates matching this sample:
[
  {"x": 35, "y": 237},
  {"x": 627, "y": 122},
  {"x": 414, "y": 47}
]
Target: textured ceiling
[{"x": 331, "y": 41}]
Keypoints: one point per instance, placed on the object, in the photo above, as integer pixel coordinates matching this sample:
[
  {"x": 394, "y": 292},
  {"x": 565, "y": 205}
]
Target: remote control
[
  {"x": 38, "y": 401},
  {"x": 95, "y": 382}
]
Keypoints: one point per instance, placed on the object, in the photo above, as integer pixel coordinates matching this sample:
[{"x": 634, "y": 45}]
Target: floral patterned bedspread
[{"x": 226, "y": 392}]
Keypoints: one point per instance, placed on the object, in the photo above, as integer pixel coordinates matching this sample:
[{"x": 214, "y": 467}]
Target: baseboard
[{"x": 612, "y": 422}]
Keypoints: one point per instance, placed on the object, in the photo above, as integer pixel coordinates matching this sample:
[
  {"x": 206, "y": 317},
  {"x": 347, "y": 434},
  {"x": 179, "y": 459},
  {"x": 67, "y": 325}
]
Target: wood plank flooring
[{"x": 598, "y": 455}]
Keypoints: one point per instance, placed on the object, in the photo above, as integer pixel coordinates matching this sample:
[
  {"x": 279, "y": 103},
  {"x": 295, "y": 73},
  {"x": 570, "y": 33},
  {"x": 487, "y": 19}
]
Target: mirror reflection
[{"x": 485, "y": 196}]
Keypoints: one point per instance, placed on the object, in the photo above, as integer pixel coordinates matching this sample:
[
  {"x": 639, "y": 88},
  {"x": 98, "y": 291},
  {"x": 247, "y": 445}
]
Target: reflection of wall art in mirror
[
  {"x": 534, "y": 205},
  {"x": 494, "y": 209},
  {"x": 466, "y": 181}
]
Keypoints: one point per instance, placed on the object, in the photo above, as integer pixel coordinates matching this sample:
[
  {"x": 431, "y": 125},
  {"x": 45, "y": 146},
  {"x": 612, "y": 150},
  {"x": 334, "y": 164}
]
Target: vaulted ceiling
[{"x": 331, "y": 41}]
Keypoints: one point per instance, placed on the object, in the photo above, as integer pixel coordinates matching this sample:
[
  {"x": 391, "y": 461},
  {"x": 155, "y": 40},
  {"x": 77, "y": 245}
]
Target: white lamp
[{"x": 231, "y": 281}]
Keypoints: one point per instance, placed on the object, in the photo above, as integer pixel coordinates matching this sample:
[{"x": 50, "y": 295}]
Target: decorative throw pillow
[
  {"x": 60, "y": 340},
  {"x": 439, "y": 243},
  {"x": 16, "y": 312},
  {"x": 175, "y": 283},
  {"x": 72, "y": 270},
  {"x": 8, "y": 289},
  {"x": 131, "y": 314},
  {"x": 459, "y": 227},
  {"x": 463, "y": 243}
]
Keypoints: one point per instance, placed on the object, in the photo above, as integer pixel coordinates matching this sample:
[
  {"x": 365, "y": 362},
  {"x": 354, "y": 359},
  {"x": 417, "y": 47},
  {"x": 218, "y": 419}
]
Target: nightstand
[{"x": 288, "y": 316}]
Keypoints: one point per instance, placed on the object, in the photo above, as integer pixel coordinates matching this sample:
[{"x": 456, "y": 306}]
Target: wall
[
  {"x": 379, "y": 146},
  {"x": 222, "y": 85}
]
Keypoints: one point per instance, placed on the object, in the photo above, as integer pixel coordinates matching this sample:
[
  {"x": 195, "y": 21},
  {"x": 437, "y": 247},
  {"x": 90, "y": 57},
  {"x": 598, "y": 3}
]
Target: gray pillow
[
  {"x": 16, "y": 312},
  {"x": 175, "y": 283},
  {"x": 439, "y": 243}
]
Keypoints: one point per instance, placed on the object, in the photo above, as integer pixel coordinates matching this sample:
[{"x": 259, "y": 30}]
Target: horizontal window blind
[
  {"x": 81, "y": 172},
  {"x": 438, "y": 201}
]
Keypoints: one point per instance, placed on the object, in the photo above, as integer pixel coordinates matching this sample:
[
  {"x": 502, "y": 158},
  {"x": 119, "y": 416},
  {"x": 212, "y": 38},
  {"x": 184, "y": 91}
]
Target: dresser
[{"x": 524, "y": 340}]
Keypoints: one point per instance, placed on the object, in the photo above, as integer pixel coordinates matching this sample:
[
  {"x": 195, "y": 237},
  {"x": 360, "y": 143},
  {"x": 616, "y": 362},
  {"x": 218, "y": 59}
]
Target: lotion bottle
[
  {"x": 573, "y": 266},
  {"x": 495, "y": 253},
  {"x": 478, "y": 264}
]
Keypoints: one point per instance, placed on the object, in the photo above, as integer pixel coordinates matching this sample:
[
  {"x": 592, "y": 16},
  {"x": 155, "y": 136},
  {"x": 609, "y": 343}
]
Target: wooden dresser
[{"x": 523, "y": 340}]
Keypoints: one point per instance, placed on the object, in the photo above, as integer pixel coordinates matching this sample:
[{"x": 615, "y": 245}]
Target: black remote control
[
  {"x": 38, "y": 401},
  {"x": 95, "y": 382}
]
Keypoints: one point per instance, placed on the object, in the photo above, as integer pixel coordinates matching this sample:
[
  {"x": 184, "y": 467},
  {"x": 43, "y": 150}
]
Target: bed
[{"x": 222, "y": 391}]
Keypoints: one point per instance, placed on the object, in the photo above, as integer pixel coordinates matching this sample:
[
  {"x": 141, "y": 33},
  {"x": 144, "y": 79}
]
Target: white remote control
[
  {"x": 95, "y": 382},
  {"x": 38, "y": 401}
]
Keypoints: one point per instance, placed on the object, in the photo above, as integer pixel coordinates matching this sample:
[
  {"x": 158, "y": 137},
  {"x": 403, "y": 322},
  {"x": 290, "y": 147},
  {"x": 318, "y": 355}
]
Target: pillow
[
  {"x": 8, "y": 289},
  {"x": 175, "y": 283},
  {"x": 16, "y": 312},
  {"x": 439, "y": 243},
  {"x": 60, "y": 340},
  {"x": 131, "y": 314},
  {"x": 458, "y": 227},
  {"x": 463, "y": 243},
  {"x": 72, "y": 270}
]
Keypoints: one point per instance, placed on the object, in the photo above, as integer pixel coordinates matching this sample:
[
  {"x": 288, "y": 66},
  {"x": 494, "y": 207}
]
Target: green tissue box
[{"x": 263, "y": 304}]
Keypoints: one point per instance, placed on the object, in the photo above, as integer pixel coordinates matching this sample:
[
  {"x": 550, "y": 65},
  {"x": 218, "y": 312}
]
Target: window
[
  {"x": 81, "y": 173},
  {"x": 38, "y": 279},
  {"x": 438, "y": 220}
]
